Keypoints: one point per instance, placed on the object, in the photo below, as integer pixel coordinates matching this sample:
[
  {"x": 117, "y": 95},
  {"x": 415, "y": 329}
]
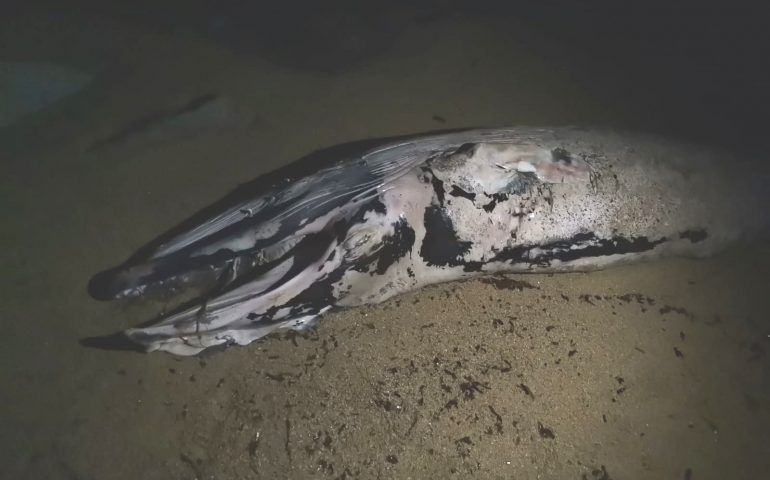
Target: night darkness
[{"x": 120, "y": 119}]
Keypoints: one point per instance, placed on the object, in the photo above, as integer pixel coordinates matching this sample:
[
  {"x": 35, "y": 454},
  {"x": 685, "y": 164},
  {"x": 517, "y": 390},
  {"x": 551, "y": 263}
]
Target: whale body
[{"x": 429, "y": 209}]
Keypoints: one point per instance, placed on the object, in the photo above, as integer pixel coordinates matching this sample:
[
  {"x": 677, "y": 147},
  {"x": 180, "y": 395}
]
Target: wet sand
[{"x": 646, "y": 371}]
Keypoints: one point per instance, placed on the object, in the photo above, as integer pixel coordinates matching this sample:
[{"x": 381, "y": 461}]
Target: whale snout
[
  {"x": 107, "y": 285},
  {"x": 126, "y": 282}
]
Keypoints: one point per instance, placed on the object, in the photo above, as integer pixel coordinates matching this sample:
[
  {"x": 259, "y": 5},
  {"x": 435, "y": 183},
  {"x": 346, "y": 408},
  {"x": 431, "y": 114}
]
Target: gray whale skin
[{"x": 380, "y": 220}]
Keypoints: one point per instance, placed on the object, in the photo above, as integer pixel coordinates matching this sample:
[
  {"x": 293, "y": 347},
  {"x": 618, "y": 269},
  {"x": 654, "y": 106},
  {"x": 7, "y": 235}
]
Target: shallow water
[{"x": 647, "y": 371}]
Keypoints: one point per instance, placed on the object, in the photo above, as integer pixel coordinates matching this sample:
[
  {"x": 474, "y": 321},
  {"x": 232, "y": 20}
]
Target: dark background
[{"x": 699, "y": 70}]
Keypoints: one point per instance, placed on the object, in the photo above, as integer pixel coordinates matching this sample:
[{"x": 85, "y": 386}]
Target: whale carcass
[{"x": 428, "y": 209}]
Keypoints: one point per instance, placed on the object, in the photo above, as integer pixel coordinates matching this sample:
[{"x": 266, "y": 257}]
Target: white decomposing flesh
[
  {"x": 487, "y": 232},
  {"x": 226, "y": 319},
  {"x": 518, "y": 201},
  {"x": 525, "y": 167}
]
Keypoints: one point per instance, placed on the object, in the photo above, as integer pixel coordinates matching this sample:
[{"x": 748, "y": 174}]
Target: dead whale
[{"x": 429, "y": 209}]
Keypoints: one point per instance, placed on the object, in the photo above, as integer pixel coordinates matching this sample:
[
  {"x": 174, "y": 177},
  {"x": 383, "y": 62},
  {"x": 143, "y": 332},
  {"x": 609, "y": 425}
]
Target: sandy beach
[{"x": 656, "y": 370}]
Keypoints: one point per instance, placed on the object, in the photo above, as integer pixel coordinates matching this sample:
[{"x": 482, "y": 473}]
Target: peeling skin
[{"x": 441, "y": 208}]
